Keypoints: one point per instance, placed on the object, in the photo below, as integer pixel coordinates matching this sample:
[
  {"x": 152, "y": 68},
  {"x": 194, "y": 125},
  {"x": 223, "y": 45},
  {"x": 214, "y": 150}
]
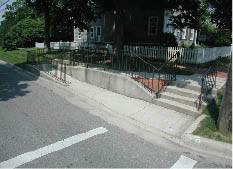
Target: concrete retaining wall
[{"x": 111, "y": 81}]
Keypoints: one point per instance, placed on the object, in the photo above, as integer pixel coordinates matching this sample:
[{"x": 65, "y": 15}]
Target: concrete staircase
[{"x": 183, "y": 98}]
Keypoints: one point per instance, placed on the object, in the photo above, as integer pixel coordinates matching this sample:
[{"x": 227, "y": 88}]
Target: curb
[{"x": 201, "y": 144}]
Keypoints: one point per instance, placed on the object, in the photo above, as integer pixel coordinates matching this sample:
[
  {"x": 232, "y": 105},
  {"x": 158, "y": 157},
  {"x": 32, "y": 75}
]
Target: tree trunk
[
  {"x": 225, "y": 115},
  {"x": 47, "y": 31}
]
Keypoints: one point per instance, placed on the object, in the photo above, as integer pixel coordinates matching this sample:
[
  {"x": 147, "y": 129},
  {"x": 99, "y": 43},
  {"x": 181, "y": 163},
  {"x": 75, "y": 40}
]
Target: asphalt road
[{"x": 33, "y": 116}]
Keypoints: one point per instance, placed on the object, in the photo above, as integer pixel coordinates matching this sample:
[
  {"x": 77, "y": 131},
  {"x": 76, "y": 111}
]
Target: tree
[
  {"x": 78, "y": 13},
  {"x": 225, "y": 114},
  {"x": 222, "y": 13},
  {"x": 189, "y": 13},
  {"x": 15, "y": 12},
  {"x": 24, "y": 34}
]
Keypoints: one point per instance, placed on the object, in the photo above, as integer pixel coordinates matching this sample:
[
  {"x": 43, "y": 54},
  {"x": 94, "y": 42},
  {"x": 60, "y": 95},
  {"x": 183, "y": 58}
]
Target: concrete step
[
  {"x": 178, "y": 107},
  {"x": 194, "y": 87},
  {"x": 181, "y": 99},
  {"x": 183, "y": 92},
  {"x": 186, "y": 85}
]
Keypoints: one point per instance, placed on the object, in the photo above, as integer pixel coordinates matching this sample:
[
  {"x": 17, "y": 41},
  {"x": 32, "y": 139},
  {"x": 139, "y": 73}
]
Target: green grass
[
  {"x": 17, "y": 57},
  {"x": 208, "y": 126}
]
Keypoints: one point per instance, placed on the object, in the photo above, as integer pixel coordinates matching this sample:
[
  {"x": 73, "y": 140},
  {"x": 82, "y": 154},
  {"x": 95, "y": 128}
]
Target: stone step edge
[
  {"x": 181, "y": 99},
  {"x": 178, "y": 107}
]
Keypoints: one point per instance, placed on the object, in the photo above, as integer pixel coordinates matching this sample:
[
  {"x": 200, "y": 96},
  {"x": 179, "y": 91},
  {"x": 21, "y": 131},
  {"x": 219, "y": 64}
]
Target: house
[{"x": 139, "y": 27}]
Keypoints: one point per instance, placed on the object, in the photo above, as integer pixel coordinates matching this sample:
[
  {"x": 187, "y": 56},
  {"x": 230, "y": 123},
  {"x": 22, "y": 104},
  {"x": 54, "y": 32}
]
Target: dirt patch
[{"x": 154, "y": 85}]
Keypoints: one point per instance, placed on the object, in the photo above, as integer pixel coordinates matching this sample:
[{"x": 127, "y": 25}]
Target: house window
[
  {"x": 152, "y": 25},
  {"x": 92, "y": 33},
  {"x": 184, "y": 33},
  {"x": 191, "y": 34},
  {"x": 98, "y": 31},
  {"x": 79, "y": 34}
]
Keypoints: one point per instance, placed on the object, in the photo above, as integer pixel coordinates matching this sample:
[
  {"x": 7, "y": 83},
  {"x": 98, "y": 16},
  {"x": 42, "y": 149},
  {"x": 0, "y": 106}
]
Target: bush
[
  {"x": 216, "y": 37},
  {"x": 185, "y": 45},
  {"x": 24, "y": 34},
  {"x": 223, "y": 37}
]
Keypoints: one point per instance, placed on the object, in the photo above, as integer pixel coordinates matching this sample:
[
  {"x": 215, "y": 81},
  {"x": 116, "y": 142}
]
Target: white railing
[{"x": 187, "y": 55}]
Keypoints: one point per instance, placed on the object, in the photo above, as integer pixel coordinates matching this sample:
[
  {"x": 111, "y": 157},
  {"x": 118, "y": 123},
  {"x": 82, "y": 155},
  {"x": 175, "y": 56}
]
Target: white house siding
[{"x": 178, "y": 33}]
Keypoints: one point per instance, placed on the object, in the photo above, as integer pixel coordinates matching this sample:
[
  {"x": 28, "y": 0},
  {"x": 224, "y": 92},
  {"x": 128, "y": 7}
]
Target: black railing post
[
  {"x": 152, "y": 78},
  {"x": 64, "y": 77},
  {"x": 104, "y": 61},
  {"x": 61, "y": 70}
]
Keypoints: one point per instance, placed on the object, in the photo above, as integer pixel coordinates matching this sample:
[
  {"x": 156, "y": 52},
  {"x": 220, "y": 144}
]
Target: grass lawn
[
  {"x": 208, "y": 126},
  {"x": 17, "y": 57}
]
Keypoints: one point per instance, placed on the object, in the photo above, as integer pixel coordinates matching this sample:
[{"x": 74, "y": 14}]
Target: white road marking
[
  {"x": 32, "y": 155},
  {"x": 184, "y": 162}
]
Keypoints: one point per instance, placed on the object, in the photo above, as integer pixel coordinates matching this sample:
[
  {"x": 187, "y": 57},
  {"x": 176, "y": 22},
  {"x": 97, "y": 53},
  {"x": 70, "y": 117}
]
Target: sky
[{"x": 2, "y": 8}]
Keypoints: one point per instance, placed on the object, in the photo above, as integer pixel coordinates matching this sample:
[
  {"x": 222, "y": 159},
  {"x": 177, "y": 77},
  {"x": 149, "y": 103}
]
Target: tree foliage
[
  {"x": 222, "y": 13},
  {"x": 189, "y": 13},
  {"x": 20, "y": 23},
  {"x": 24, "y": 34},
  {"x": 195, "y": 13},
  {"x": 215, "y": 37},
  {"x": 78, "y": 13}
]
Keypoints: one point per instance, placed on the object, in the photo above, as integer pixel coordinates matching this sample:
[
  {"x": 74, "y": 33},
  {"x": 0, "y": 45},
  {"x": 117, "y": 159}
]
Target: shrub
[{"x": 24, "y": 34}]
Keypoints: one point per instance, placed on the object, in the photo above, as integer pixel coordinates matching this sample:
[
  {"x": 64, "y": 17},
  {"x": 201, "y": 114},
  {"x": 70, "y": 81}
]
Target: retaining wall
[{"x": 111, "y": 81}]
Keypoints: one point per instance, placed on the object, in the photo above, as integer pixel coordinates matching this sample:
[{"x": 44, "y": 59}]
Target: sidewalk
[{"x": 165, "y": 120}]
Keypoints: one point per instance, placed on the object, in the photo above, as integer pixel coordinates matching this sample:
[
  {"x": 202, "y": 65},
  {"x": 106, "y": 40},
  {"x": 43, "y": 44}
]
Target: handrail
[
  {"x": 177, "y": 53},
  {"x": 160, "y": 88},
  {"x": 147, "y": 62},
  {"x": 208, "y": 82}
]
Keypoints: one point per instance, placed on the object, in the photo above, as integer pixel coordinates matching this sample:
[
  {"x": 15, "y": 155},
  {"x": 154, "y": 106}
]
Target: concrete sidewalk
[{"x": 165, "y": 120}]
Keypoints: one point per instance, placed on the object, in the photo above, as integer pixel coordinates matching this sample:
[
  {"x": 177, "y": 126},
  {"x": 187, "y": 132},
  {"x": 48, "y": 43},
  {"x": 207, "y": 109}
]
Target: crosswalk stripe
[
  {"x": 184, "y": 162},
  {"x": 29, "y": 156}
]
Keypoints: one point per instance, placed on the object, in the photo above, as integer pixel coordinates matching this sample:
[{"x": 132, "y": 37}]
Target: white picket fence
[{"x": 187, "y": 55}]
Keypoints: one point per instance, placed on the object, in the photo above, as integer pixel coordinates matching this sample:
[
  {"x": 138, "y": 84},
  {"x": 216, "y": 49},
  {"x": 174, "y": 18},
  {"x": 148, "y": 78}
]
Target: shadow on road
[{"x": 12, "y": 83}]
